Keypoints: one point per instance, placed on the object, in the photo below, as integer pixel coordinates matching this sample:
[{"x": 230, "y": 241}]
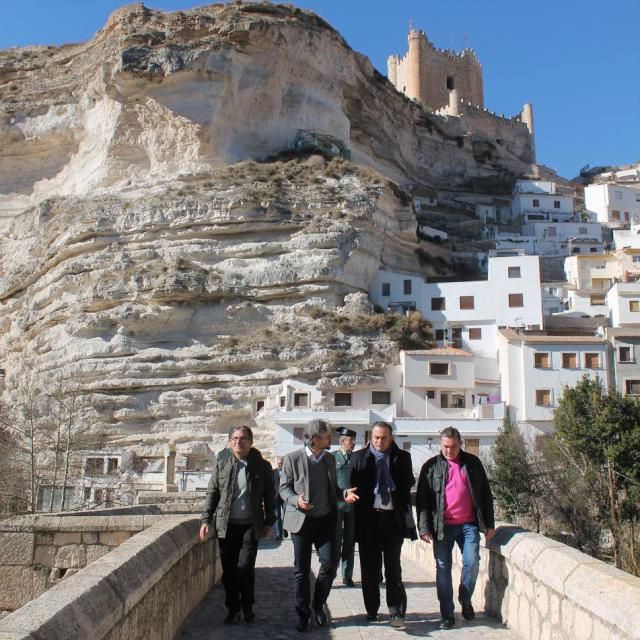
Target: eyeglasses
[{"x": 241, "y": 439}]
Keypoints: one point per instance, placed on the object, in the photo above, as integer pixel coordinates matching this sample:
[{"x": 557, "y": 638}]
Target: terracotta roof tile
[
  {"x": 539, "y": 338},
  {"x": 440, "y": 351}
]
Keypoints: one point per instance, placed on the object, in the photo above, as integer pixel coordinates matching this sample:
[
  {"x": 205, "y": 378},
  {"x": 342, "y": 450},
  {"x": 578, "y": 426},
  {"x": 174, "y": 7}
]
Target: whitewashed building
[
  {"x": 613, "y": 204},
  {"x": 539, "y": 200},
  {"x": 535, "y": 368}
]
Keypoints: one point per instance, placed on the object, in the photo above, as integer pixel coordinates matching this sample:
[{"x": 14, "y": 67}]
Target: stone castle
[{"x": 450, "y": 84}]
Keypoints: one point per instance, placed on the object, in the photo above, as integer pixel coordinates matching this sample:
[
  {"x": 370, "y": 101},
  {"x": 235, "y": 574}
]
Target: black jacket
[
  {"x": 363, "y": 477},
  {"x": 431, "y": 487},
  {"x": 217, "y": 504}
]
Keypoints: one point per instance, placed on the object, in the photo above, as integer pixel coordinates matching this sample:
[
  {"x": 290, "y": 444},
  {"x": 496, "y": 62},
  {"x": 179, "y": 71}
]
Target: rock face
[{"x": 152, "y": 258}]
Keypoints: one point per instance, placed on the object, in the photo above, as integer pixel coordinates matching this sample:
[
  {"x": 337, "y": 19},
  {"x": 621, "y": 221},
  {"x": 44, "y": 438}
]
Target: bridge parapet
[
  {"x": 143, "y": 588},
  {"x": 542, "y": 589}
]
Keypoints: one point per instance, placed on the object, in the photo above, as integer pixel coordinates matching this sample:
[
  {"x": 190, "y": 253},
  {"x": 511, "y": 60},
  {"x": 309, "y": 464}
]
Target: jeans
[
  {"x": 321, "y": 533},
  {"x": 346, "y": 542},
  {"x": 238, "y": 550},
  {"x": 467, "y": 537},
  {"x": 382, "y": 540}
]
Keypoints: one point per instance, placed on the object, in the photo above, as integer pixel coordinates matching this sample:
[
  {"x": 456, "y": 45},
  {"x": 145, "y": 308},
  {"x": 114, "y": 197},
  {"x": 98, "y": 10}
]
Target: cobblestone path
[{"x": 276, "y": 617}]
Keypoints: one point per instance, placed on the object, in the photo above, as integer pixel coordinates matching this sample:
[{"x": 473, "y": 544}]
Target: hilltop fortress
[{"x": 450, "y": 84}]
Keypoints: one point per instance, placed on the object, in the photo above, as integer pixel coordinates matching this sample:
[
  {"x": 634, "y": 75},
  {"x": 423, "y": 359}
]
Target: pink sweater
[{"x": 458, "y": 505}]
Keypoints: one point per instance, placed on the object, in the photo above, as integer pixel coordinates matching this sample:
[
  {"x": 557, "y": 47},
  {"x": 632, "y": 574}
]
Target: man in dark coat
[
  {"x": 382, "y": 477},
  {"x": 240, "y": 507},
  {"x": 346, "y": 518},
  {"x": 309, "y": 489},
  {"x": 454, "y": 504}
]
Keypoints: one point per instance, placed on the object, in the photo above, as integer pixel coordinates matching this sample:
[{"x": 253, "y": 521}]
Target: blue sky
[{"x": 577, "y": 62}]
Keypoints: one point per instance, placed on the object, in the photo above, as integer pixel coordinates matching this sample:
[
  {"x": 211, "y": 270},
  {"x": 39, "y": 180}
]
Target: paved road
[{"x": 276, "y": 618}]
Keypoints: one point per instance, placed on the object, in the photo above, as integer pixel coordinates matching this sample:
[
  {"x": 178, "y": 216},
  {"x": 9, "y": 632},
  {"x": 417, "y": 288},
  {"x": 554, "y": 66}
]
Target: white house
[
  {"x": 623, "y": 300},
  {"x": 465, "y": 314},
  {"x": 540, "y": 200},
  {"x": 535, "y": 368},
  {"x": 613, "y": 204},
  {"x": 589, "y": 277}
]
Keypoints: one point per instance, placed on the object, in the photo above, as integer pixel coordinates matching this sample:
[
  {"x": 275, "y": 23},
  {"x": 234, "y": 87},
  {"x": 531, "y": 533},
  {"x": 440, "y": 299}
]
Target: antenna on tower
[
  {"x": 464, "y": 41},
  {"x": 410, "y": 24}
]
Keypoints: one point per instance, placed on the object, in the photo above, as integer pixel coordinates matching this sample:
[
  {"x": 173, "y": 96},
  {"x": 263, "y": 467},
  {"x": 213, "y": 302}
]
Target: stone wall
[
  {"x": 542, "y": 589},
  {"x": 142, "y": 590},
  {"x": 37, "y": 552}
]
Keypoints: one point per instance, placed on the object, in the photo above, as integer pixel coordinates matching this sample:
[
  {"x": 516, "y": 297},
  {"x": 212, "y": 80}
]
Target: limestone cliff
[{"x": 148, "y": 252}]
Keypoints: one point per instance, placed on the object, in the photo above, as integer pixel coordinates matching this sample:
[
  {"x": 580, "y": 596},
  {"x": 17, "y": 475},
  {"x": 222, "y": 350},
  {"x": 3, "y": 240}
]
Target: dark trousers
[
  {"x": 321, "y": 534},
  {"x": 382, "y": 540},
  {"x": 238, "y": 550},
  {"x": 346, "y": 542}
]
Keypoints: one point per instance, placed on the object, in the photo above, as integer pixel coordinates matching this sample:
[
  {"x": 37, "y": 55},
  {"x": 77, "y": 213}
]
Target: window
[
  {"x": 437, "y": 304},
  {"x": 636, "y": 258},
  {"x": 467, "y": 302},
  {"x": 582, "y": 230},
  {"x": 591, "y": 360},
  {"x": 624, "y": 354},
  {"x": 556, "y": 204},
  {"x": 300, "y": 399},
  {"x": 515, "y": 300},
  {"x": 632, "y": 387},
  {"x": 439, "y": 368},
  {"x": 342, "y": 399},
  {"x": 86, "y": 494},
  {"x": 439, "y": 335},
  {"x": 514, "y": 272},
  {"x": 615, "y": 215},
  {"x": 593, "y": 249},
  {"x": 297, "y": 435},
  {"x": 406, "y": 287},
  {"x": 386, "y": 289},
  {"x": 472, "y": 445},
  {"x": 598, "y": 298},
  {"x": 542, "y": 360},
  {"x": 569, "y": 360},
  {"x": 406, "y": 446},
  {"x": 451, "y": 84},
  {"x": 381, "y": 397},
  {"x": 536, "y": 202},
  {"x": 94, "y": 466},
  {"x": 444, "y": 400},
  {"x": 457, "y": 401},
  {"x": 98, "y": 496},
  {"x": 259, "y": 405},
  {"x": 543, "y": 397},
  {"x": 283, "y": 401},
  {"x": 431, "y": 394},
  {"x": 475, "y": 333},
  {"x": 634, "y": 305},
  {"x": 618, "y": 195},
  {"x": 552, "y": 232},
  {"x": 112, "y": 466},
  {"x": 575, "y": 250}
]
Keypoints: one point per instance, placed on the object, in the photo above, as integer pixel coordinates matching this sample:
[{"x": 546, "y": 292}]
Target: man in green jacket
[
  {"x": 240, "y": 507},
  {"x": 346, "y": 520}
]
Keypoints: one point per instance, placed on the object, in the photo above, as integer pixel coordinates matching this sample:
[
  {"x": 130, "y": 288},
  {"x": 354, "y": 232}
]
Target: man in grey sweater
[{"x": 240, "y": 507}]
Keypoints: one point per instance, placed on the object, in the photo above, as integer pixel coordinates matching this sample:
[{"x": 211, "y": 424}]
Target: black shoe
[
  {"x": 233, "y": 617},
  {"x": 285, "y": 534},
  {"x": 249, "y": 616},
  {"x": 446, "y": 624},
  {"x": 320, "y": 615},
  {"x": 372, "y": 617},
  {"x": 303, "y": 623},
  {"x": 349, "y": 583},
  {"x": 467, "y": 610}
]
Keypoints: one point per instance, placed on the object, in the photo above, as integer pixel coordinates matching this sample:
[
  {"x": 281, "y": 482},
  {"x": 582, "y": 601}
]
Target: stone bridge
[{"x": 142, "y": 574}]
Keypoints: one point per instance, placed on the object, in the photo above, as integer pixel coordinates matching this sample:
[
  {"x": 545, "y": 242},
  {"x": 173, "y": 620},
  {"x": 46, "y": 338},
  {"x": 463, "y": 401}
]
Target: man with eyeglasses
[{"x": 240, "y": 507}]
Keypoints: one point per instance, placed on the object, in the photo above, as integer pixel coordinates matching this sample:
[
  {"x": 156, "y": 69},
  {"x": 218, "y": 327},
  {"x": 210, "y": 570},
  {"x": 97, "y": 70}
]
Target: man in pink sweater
[{"x": 454, "y": 504}]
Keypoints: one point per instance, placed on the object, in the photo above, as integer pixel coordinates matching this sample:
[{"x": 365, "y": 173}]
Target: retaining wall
[
  {"x": 142, "y": 590},
  {"x": 542, "y": 589}
]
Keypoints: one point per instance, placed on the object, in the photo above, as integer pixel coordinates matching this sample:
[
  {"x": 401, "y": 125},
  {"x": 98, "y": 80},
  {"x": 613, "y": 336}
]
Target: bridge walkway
[{"x": 276, "y": 618}]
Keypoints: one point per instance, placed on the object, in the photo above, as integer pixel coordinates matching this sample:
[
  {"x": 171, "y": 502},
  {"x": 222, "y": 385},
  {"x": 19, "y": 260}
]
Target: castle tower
[
  {"x": 527, "y": 117},
  {"x": 414, "y": 63},
  {"x": 392, "y": 69},
  {"x": 454, "y": 103}
]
